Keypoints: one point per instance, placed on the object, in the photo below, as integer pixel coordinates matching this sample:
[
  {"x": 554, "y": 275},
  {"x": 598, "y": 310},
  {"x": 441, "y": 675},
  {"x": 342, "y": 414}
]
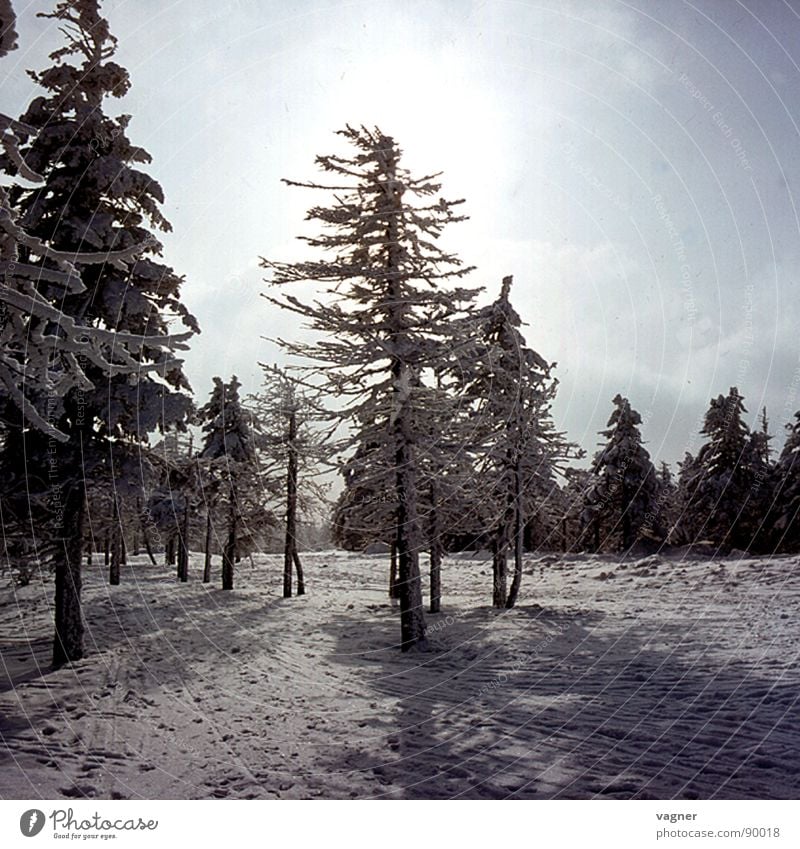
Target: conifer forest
[{"x": 440, "y": 495}]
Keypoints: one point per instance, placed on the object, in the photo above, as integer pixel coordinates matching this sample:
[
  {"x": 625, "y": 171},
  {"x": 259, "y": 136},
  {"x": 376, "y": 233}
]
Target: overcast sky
[{"x": 633, "y": 165}]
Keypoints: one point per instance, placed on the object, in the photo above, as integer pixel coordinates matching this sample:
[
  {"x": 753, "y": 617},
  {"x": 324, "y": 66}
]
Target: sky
[{"x": 633, "y": 165}]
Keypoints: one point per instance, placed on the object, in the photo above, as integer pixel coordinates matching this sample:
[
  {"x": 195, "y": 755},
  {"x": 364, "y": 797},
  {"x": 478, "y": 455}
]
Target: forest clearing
[{"x": 675, "y": 678}]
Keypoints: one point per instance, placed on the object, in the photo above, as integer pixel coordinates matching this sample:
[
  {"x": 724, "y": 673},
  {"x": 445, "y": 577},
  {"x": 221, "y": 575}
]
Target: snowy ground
[{"x": 671, "y": 679}]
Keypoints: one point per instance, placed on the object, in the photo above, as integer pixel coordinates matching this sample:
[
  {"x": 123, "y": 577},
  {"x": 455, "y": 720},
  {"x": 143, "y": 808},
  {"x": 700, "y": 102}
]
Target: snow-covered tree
[
  {"x": 366, "y": 510},
  {"x": 177, "y": 500},
  {"x": 760, "y": 440},
  {"x": 386, "y": 319},
  {"x": 445, "y": 473},
  {"x": 511, "y": 388},
  {"x": 576, "y": 536},
  {"x": 290, "y": 418},
  {"x": 661, "y": 518},
  {"x": 719, "y": 499},
  {"x": 91, "y": 198},
  {"x": 229, "y": 453},
  {"x": 44, "y": 352},
  {"x": 625, "y": 488},
  {"x": 785, "y": 513}
]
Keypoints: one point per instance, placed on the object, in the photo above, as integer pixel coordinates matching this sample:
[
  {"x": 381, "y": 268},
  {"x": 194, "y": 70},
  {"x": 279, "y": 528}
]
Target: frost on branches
[
  {"x": 44, "y": 352},
  {"x": 230, "y": 457},
  {"x": 519, "y": 450},
  {"x": 88, "y": 312},
  {"x": 786, "y": 510},
  {"x": 384, "y": 319},
  {"x": 623, "y": 499},
  {"x": 290, "y": 416},
  {"x": 722, "y": 487}
]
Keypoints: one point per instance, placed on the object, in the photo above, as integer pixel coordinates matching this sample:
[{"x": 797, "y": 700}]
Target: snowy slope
[{"x": 669, "y": 679}]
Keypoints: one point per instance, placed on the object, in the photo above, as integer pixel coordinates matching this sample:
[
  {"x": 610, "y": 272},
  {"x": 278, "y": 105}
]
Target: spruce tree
[
  {"x": 625, "y": 487},
  {"x": 386, "y": 316},
  {"x": 785, "y": 513},
  {"x": 93, "y": 199},
  {"x": 291, "y": 418},
  {"x": 229, "y": 453},
  {"x": 660, "y": 520},
  {"x": 366, "y": 508},
  {"x": 510, "y": 387},
  {"x": 719, "y": 499},
  {"x": 576, "y": 535}
]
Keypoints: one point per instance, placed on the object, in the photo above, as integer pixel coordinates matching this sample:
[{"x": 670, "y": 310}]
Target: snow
[{"x": 657, "y": 678}]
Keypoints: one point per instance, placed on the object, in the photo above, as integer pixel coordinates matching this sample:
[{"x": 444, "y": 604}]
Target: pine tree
[
  {"x": 92, "y": 199},
  {"x": 230, "y": 454},
  {"x": 44, "y": 352},
  {"x": 575, "y": 533},
  {"x": 719, "y": 498},
  {"x": 761, "y": 439},
  {"x": 511, "y": 389},
  {"x": 660, "y": 520},
  {"x": 387, "y": 317},
  {"x": 366, "y": 509},
  {"x": 785, "y": 513},
  {"x": 625, "y": 490},
  {"x": 290, "y": 418},
  {"x": 445, "y": 467},
  {"x": 761, "y": 494}
]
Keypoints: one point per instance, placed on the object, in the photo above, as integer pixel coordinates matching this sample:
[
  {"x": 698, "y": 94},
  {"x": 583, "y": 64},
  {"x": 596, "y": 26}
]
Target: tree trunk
[
  {"x": 412, "y": 618},
  {"x": 499, "y": 569},
  {"x": 89, "y": 554},
  {"x": 519, "y": 539},
  {"x": 183, "y": 546},
  {"x": 290, "y": 543},
  {"x": 435, "y": 551},
  {"x": 68, "y": 639},
  {"x": 147, "y": 547},
  {"x": 394, "y": 589},
  {"x": 106, "y": 550},
  {"x": 116, "y": 555},
  {"x": 301, "y": 583},
  {"x": 207, "y": 564},
  {"x": 137, "y": 527},
  {"x": 229, "y": 552},
  {"x": 169, "y": 551}
]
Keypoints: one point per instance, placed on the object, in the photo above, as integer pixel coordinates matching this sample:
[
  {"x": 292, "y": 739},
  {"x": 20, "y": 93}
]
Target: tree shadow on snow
[{"x": 537, "y": 703}]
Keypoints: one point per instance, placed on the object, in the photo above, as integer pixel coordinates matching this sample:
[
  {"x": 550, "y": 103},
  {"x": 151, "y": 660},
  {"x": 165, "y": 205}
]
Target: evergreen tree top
[
  {"x": 727, "y": 432},
  {"x": 385, "y": 306},
  {"x": 724, "y": 416},
  {"x": 624, "y": 449},
  {"x": 86, "y": 30},
  {"x": 791, "y": 448},
  {"x": 227, "y": 426},
  {"x": 383, "y": 228},
  {"x": 91, "y": 200},
  {"x": 623, "y": 420}
]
